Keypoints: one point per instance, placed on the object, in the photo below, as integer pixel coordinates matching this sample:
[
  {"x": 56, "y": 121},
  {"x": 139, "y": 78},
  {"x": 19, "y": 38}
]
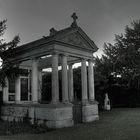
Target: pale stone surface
[
  {"x": 91, "y": 80},
  {"x": 70, "y": 79},
  {"x": 90, "y": 118},
  {"x": 84, "y": 80},
  {"x": 90, "y": 112},
  {"x": 64, "y": 79},
  {"x": 39, "y": 84},
  {"x": 34, "y": 80},
  {"x": 55, "y": 78},
  {"x": 59, "y": 117},
  {"x": 14, "y": 111},
  {"x": 54, "y": 113},
  {"x": 107, "y": 102}
]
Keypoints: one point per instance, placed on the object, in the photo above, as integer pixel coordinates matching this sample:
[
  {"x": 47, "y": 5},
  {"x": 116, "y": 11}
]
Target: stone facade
[{"x": 51, "y": 115}]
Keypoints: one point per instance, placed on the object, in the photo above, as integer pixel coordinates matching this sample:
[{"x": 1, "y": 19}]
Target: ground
[{"x": 118, "y": 124}]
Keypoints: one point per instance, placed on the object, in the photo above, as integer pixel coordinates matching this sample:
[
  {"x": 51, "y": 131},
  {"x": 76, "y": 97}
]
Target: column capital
[
  {"x": 91, "y": 60},
  {"x": 84, "y": 59},
  {"x": 70, "y": 64},
  {"x": 64, "y": 54},
  {"x": 55, "y": 53}
]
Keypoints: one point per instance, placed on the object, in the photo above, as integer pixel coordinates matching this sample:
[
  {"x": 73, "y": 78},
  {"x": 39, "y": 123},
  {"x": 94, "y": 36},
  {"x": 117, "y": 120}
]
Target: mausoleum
[{"x": 22, "y": 97}]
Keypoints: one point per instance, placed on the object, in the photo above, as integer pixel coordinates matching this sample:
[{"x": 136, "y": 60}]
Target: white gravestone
[{"x": 107, "y": 102}]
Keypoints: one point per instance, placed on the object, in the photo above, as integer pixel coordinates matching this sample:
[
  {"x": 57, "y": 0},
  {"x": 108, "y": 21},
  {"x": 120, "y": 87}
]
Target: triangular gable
[{"x": 78, "y": 38}]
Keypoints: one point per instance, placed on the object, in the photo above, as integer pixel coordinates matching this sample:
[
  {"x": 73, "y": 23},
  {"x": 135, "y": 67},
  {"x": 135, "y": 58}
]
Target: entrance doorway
[
  {"x": 77, "y": 104},
  {"x": 77, "y": 112},
  {"x": 24, "y": 88}
]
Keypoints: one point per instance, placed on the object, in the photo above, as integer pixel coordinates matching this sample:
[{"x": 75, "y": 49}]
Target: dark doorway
[
  {"x": 77, "y": 112},
  {"x": 24, "y": 89},
  {"x": 77, "y": 105}
]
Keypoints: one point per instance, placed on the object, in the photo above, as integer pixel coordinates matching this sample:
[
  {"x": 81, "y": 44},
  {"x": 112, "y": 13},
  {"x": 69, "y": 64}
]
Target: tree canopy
[
  {"x": 6, "y": 66},
  {"x": 123, "y": 57}
]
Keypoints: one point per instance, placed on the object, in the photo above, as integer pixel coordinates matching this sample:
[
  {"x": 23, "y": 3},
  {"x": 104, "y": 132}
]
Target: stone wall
[
  {"x": 54, "y": 116},
  {"x": 90, "y": 112}
]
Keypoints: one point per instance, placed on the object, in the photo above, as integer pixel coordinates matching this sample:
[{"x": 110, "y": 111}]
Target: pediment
[{"x": 78, "y": 39}]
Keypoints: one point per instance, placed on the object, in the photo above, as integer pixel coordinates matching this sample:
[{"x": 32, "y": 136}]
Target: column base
[
  {"x": 92, "y": 101},
  {"x": 55, "y": 102},
  {"x": 66, "y": 102},
  {"x": 35, "y": 102},
  {"x": 17, "y": 102},
  {"x": 90, "y": 112},
  {"x": 85, "y": 102}
]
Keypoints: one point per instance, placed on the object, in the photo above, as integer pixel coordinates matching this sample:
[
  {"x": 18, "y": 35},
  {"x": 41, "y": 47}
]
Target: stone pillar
[
  {"x": 5, "y": 91},
  {"x": 55, "y": 79},
  {"x": 17, "y": 90},
  {"x": 34, "y": 84},
  {"x": 91, "y": 81},
  {"x": 64, "y": 79},
  {"x": 39, "y": 84},
  {"x": 70, "y": 77},
  {"x": 84, "y": 81}
]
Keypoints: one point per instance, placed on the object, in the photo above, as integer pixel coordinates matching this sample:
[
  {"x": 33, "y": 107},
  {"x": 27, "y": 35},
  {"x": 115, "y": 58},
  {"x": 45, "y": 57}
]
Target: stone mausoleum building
[{"x": 22, "y": 97}]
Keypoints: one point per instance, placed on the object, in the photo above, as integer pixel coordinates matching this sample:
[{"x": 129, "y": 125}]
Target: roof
[
  {"x": 72, "y": 36},
  {"x": 59, "y": 34}
]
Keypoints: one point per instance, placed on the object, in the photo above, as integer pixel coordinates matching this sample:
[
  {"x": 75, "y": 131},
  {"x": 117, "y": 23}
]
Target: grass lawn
[{"x": 118, "y": 124}]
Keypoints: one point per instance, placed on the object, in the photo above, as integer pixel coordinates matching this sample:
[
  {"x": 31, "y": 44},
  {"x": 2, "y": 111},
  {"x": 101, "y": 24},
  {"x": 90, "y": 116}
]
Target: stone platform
[
  {"x": 53, "y": 116},
  {"x": 90, "y": 112}
]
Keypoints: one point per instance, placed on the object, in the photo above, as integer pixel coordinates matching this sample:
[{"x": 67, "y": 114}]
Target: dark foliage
[
  {"x": 7, "y": 67},
  {"x": 118, "y": 70},
  {"x": 46, "y": 87}
]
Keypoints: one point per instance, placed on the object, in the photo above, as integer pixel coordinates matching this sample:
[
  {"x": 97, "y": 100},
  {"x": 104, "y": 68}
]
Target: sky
[{"x": 100, "y": 19}]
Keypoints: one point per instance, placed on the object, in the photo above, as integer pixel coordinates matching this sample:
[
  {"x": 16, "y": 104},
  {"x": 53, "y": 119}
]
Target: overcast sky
[{"x": 100, "y": 19}]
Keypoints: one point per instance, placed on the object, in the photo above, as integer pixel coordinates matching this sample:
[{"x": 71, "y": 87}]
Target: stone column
[
  {"x": 17, "y": 90},
  {"x": 71, "y": 95},
  {"x": 55, "y": 79},
  {"x": 34, "y": 84},
  {"x": 39, "y": 84},
  {"x": 64, "y": 79},
  {"x": 91, "y": 81},
  {"x": 84, "y": 81},
  {"x": 5, "y": 91}
]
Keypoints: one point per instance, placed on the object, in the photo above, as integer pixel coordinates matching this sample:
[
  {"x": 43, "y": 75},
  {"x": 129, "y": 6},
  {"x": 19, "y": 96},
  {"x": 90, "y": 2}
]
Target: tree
[
  {"x": 7, "y": 67},
  {"x": 118, "y": 70},
  {"x": 122, "y": 58}
]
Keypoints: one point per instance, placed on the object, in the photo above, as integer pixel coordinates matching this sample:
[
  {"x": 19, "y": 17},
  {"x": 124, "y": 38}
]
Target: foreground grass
[{"x": 118, "y": 124}]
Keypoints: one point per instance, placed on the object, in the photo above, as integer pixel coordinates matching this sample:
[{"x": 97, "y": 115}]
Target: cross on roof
[{"x": 75, "y": 17}]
